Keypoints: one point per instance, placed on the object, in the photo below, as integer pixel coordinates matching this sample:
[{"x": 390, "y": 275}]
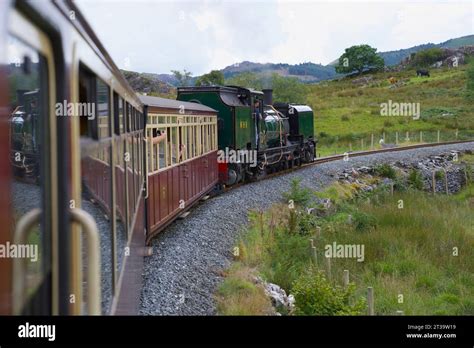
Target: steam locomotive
[{"x": 255, "y": 136}]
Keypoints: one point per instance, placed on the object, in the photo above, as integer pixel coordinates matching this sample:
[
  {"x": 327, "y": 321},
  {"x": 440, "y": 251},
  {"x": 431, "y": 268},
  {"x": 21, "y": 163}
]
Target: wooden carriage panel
[{"x": 168, "y": 187}]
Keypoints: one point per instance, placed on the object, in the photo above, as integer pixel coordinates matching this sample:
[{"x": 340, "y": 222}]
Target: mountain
[
  {"x": 395, "y": 57},
  {"x": 152, "y": 84},
  {"x": 305, "y": 72}
]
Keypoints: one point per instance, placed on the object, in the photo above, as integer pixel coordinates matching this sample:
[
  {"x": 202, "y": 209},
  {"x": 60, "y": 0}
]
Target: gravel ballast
[{"x": 181, "y": 276}]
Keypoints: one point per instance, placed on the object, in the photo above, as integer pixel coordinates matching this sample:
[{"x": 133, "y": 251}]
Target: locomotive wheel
[{"x": 309, "y": 154}]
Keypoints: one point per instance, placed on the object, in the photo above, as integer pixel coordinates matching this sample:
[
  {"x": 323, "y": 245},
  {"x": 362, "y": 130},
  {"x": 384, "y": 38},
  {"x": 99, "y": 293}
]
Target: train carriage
[
  {"x": 72, "y": 155},
  {"x": 181, "y": 158}
]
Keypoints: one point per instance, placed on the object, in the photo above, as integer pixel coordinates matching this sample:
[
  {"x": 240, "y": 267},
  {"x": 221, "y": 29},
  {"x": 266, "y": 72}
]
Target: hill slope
[
  {"x": 395, "y": 57},
  {"x": 305, "y": 72},
  {"x": 347, "y": 112}
]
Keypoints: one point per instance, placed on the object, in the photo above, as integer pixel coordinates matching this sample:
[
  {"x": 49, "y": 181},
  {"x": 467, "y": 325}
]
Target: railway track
[{"x": 349, "y": 155}]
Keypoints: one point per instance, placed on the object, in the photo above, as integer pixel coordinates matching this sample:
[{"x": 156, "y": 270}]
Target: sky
[{"x": 158, "y": 36}]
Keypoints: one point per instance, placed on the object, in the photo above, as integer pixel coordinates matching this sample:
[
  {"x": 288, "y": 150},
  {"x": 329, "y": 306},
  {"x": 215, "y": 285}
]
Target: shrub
[
  {"x": 439, "y": 175},
  {"x": 323, "y": 134},
  {"x": 415, "y": 179},
  {"x": 306, "y": 224},
  {"x": 386, "y": 170},
  {"x": 345, "y": 118},
  {"x": 298, "y": 194},
  {"x": 387, "y": 124},
  {"x": 314, "y": 295},
  {"x": 363, "y": 221},
  {"x": 399, "y": 184},
  {"x": 428, "y": 57}
]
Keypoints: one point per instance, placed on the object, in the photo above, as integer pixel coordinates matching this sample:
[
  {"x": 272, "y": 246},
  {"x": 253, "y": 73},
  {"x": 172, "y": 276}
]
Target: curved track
[{"x": 189, "y": 258}]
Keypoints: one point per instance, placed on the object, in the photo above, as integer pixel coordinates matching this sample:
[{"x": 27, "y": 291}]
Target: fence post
[
  {"x": 434, "y": 181},
  {"x": 350, "y": 147},
  {"x": 383, "y": 137},
  {"x": 370, "y": 300},
  {"x": 396, "y": 138},
  {"x": 446, "y": 181},
  {"x": 313, "y": 251},
  {"x": 362, "y": 144},
  {"x": 457, "y": 131},
  {"x": 372, "y": 141},
  {"x": 438, "y": 135},
  {"x": 407, "y": 138},
  {"x": 328, "y": 268},
  {"x": 345, "y": 278},
  {"x": 421, "y": 136},
  {"x": 465, "y": 175}
]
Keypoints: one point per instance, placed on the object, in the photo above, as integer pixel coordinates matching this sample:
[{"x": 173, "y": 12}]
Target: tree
[
  {"x": 183, "y": 77},
  {"x": 285, "y": 89},
  {"x": 428, "y": 57},
  {"x": 359, "y": 58},
  {"x": 247, "y": 80},
  {"x": 288, "y": 89},
  {"x": 214, "y": 78}
]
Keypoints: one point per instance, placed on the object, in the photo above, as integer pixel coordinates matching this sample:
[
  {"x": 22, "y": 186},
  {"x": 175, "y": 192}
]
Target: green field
[
  {"x": 345, "y": 112},
  {"x": 418, "y": 258}
]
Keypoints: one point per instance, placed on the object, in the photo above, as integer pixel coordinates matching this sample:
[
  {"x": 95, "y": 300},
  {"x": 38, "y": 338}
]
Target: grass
[
  {"x": 419, "y": 258},
  {"x": 239, "y": 295},
  {"x": 346, "y": 113}
]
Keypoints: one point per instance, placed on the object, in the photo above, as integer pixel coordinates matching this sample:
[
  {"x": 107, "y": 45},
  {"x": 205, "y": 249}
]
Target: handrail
[
  {"x": 23, "y": 226},
  {"x": 93, "y": 265}
]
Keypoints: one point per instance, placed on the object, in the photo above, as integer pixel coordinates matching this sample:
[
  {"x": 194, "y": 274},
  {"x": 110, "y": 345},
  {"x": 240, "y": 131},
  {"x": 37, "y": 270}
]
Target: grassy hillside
[
  {"x": 395, "y": 57},
  {"x": 458, "y": 42},
  {"x": 346, "y": 112},
  {"x": 423, "y": 251}
]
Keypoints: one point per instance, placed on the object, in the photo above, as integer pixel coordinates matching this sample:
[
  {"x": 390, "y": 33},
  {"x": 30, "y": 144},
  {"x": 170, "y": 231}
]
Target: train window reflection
[{"x": 28, "y": 86}]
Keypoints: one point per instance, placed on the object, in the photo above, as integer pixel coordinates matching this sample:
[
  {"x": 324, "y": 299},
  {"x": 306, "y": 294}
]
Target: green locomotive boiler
[{"x": 255, "y": 137}]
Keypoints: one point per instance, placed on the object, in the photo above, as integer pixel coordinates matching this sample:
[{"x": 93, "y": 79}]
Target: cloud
[{"x": 158, "y": 36}]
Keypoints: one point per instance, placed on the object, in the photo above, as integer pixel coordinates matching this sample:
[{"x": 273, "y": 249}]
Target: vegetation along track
[
  {"x": 189, "y": 258},
  {"x": 326, "y": 159}
]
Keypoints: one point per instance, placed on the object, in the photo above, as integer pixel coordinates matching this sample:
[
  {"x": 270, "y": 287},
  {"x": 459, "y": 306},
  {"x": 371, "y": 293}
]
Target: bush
[
  {"x": 314, "y": 295},
  {"x": 323, "y": 134},
  {"x": 415, "y": 179},
  {"x": 427, "y": 57},
  {"x": 386, "y": 170},
  {"x": 345, "y": 118},
  {"x": 298, "y": 194},
  {"x": 306, "y": 224},
  {"x": 363, "y": 221},
  {"x": 439, "y": 175}
]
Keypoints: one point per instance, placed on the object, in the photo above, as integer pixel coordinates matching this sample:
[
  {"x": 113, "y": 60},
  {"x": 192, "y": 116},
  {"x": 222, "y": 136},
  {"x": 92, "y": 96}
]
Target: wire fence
[{"x": 332, "y": 145}]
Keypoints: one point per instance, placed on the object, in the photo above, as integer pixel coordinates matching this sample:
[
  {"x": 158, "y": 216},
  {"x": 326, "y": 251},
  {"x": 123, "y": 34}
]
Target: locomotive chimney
[{"x": 267, "y": 96}]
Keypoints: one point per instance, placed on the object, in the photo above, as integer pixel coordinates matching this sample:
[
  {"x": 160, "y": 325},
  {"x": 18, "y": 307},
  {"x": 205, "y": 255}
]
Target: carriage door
[{"x": 32, "y": 184}]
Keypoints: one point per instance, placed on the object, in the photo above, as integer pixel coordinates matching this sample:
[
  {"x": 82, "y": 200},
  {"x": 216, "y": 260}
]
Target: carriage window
[
  {"x": 28, "y": 85},
  {"x": 117, "y": 118},
  {"x": 87, "y": 87},
  {"x": 102, "y": 107}
]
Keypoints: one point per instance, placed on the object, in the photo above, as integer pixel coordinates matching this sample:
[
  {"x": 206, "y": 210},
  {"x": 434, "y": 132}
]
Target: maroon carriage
[{"x": 181, "y": 158}]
